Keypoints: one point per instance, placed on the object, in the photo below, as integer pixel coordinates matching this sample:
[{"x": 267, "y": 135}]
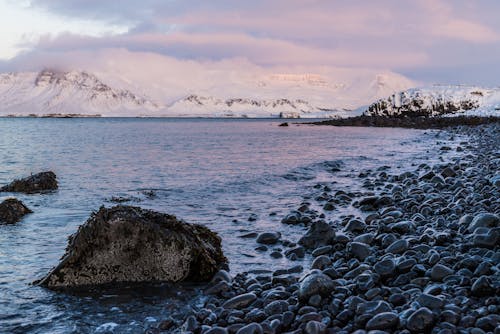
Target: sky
[{"x": 434, "y": 41}]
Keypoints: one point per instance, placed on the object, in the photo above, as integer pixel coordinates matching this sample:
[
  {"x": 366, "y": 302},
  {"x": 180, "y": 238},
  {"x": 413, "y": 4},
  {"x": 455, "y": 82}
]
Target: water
[{"x": 214, "y": 172}]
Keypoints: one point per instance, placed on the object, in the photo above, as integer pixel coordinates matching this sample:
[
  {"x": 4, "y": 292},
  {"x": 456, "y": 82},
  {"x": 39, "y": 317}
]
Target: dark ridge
[{"x": 410, "y": 122}]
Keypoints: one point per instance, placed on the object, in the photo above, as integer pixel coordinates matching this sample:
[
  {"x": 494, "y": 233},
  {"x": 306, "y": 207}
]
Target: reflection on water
[{"x": 214, "y": 172}]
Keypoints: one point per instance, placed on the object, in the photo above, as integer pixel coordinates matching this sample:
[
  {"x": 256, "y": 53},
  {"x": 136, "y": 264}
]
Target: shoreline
[
  {"x": 424, "y": 258},
  {"x": 410, "y": 122}
]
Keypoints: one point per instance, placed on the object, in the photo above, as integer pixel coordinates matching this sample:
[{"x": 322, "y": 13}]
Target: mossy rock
[
  {"x": 12, "y": 210},
  {"x": 37, "y": 183},
  {"x": 126, "y": 244}
]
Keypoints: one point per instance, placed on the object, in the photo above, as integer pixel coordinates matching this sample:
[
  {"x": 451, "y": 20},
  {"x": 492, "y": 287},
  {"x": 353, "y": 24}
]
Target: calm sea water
[{"x": 214, "y": 172}]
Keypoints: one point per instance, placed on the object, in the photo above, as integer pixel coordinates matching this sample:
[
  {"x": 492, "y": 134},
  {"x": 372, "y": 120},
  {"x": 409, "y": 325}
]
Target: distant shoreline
[{"x": 421, "y": 122}]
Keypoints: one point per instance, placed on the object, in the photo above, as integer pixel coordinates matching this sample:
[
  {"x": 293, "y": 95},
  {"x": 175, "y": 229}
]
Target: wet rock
[
  {"x": 484, "y": 220},
  {"x": 420, "y": 321},
  {"x": 398, "y": 247},
  {"x": 385, "y": 268},
  {"x": 486, "y": 239},
  {"x": 319, "y": 234},
  {"x": 482, "y": 287},
  {"x": 315, "y": 327},
  {"x": 383, "y": 321},
  {"x": 359, "y": 250},
  {"x": 268, "y": 238},
  {"x": 240, "y": 301},
  {"x": 439, "y": 271},
  {"x": 37, "y": 183},
  {"x": 430, "y": 301},
  {"x": 129, "y": 244},
  {"x": 316, "y": 284},
  {"x": 252, "y": 328},
  {"x": 12, "y": 210}
]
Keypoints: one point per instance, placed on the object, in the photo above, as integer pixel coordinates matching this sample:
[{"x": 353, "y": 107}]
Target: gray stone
[
  {"x": 315, "y": 327},
  {"x": 484, "y": 220},
  {"x": 420, "y": 321},
  {"x": 268, "y": 238},
  {"x": 359, "y": 250},
  {"x": 252, "y": 328},
  {"x": 217, "y": 330},
  {"x": 384, "y": 320},
  {"x": 319, "y": 234},
  {"x": 385, "y": 268},
  {"x": 398, "y": 246},
  {"x": 439, "y": 271},
  {"x": 316, "y": 284},
  {"x": 490, "y": 239},
  {"x": 127, "y": 244},
  {"x": 12, "y": 211},
  {"x": 430, "y": 301},
  {"x": 482, "y": 287},
  {"x": 240, "y": 301}
]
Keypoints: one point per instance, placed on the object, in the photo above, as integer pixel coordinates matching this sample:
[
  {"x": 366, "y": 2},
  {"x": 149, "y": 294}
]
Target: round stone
[
  {"x": 384, "y": 320},
  {"x": 420, "y": 321}
]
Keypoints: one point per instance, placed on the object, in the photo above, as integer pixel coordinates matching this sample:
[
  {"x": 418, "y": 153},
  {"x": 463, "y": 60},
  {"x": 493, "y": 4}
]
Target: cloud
[{"x": 400, "y": 35}]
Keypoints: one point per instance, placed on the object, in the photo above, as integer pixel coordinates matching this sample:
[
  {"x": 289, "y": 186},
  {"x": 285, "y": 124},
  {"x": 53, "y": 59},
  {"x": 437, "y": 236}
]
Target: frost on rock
[{"x": 126, "y": 244}]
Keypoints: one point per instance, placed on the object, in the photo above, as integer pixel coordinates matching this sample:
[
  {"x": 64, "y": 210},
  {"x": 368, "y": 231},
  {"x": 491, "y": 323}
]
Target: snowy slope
[
  {"x": 52, "y": 93},
  {"x": 439, "y": 100},
  {"x": 196, "y": 92}
]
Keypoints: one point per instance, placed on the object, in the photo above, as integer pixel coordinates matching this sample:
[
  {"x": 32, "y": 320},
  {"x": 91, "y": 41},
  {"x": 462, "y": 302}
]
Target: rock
[
  {"x": 420, "y": 321},
  {"x": 484, "y": 220},
  {"x": 359, "y": 250},
  {"x": 316, "y": 284},
  {"x": 439, "y": 271},
  {"x": 283, "y": 124},
  {"x": 240, "y": 301},
  {"x": 430, "y": 301},
  {"x": 398, "y": 246},
  {"x": 490, "y": 239},
  {"x": 482, "y": 287},
  {"x": 320, "y": 234},
  {"x": 217, "y": 330},
  {"x": 129, "y": 244},
  {"x": 315, "y": 327},
  {"x": 385, "y": 268},
  {"x": 384, "y": 320},
  {"x": 37, "y": 183},
  {"x": 12, "y": 210},
  {"x": 252, "y": 328},
  {"x": 268, "y": 238}
]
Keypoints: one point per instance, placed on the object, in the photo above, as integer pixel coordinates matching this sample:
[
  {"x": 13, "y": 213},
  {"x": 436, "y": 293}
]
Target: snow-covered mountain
[
  {"x": 439, "y": 100},
  {"x": 212, "y": 92},
  {"x": 55, "y": 93}
]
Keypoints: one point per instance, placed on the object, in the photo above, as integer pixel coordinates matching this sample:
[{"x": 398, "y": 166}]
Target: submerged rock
[
  {"x": 44, "y": 181},
  {"x": 129, "y": 244},
  {"x": 12, "y": 210}
]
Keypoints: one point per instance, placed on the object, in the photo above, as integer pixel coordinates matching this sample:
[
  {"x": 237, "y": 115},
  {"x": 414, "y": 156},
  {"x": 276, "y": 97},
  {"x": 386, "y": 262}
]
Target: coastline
[
  {"x": 410, "y": 122},
  {"x": 424, "y": 257}
]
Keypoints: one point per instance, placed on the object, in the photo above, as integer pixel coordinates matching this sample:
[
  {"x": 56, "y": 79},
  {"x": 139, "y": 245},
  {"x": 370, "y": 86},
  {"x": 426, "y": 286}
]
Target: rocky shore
[
  {"x": 410, "y": 122},
  {"x": 420, "y": 255}
]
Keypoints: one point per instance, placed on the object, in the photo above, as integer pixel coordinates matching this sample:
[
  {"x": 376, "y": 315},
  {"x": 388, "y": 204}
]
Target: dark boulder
[
  {"x": 12, "y": 210},
  {"x": 126, "y": 244},
  {"x": 320, "y": 234},
  {"x": 37, "y": 183}
]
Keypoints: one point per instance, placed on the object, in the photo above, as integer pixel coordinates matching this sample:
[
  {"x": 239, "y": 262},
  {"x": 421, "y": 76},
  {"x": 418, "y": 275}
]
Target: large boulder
[
  {"x": 12, "y": 210},
  {"x": 37, "y": 183},
  {"x": 126, "y": 244}
]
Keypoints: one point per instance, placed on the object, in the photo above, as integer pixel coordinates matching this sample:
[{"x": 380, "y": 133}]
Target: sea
[{"x": 215, "y": 172}]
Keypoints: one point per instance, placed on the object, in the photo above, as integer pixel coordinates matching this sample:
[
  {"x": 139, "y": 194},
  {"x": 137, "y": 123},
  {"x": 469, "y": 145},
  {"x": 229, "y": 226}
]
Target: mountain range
[{"x": 337, "y": 93}]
